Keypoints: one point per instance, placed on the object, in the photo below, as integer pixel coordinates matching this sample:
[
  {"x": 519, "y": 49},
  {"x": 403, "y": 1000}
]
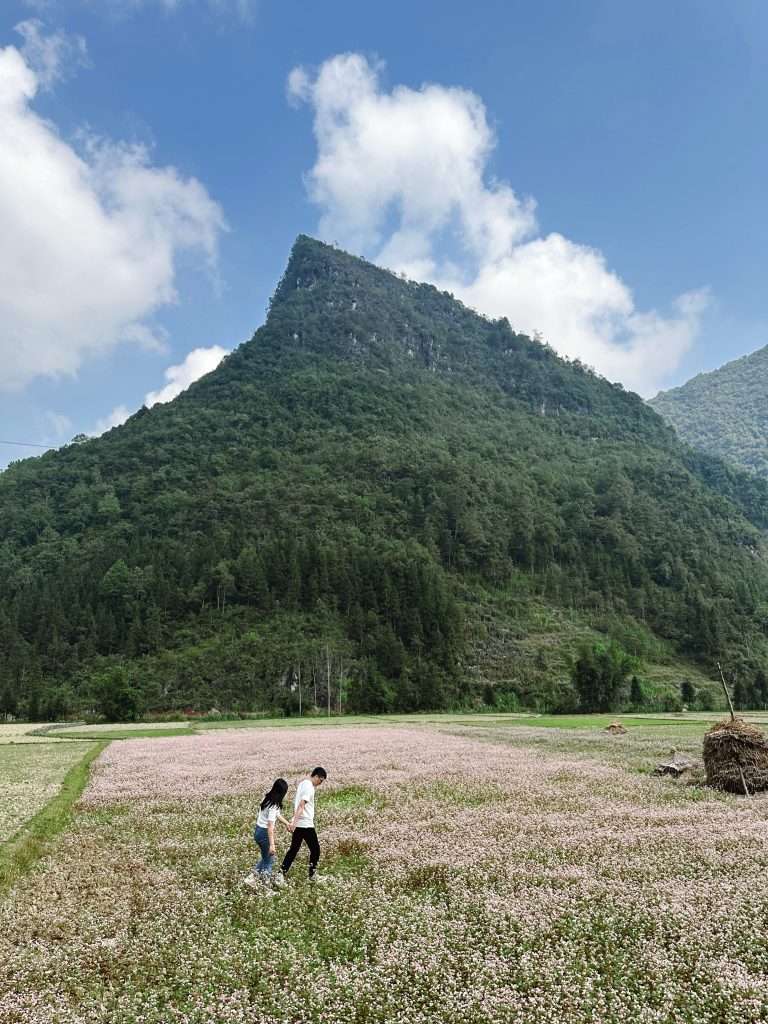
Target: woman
[{"x": 264, "y": 833}]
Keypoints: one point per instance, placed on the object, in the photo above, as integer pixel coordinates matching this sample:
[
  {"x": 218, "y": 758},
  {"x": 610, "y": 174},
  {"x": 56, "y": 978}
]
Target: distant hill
[
  {"x": 382, "y": 501},
  {"x": 724, "y": 412}
]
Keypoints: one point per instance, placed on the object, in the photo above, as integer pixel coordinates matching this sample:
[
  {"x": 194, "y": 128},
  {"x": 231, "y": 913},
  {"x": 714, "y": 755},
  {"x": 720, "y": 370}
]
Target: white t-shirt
[
  {"x": 267, "y": 815},
  {"x": 305, "y": 791}
]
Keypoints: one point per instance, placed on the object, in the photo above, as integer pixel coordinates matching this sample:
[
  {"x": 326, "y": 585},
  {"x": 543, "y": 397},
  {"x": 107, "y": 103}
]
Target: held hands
[{"x": 272, "y": 851}]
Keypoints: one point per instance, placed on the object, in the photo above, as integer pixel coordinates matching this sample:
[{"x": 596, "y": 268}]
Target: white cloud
[
  {"x": 116, "y": 418},
  {"x": 178, "y": 378},
  {"x": 199, "y": 362},
  {"x": 565, "y": 291},
  {"x": 91, "y": 238},
  {"x": 53, "y": 56},
  {"x": 401, "y": 176}
]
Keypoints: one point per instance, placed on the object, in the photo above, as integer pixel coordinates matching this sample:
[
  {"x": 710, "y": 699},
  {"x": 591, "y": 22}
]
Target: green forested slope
[
  {"x": 724, "y": 412},
  {"x": 367, "y": 492}
]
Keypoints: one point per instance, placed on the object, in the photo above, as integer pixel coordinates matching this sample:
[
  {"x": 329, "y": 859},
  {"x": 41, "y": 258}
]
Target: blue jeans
[{"x": 264, "y": 866}]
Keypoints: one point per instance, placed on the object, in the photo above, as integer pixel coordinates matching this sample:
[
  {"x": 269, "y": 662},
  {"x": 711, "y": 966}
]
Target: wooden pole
[{"x": 727, "y": 695}]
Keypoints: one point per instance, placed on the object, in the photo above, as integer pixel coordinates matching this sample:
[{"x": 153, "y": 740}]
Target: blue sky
[{"x": 593, "y": 170}]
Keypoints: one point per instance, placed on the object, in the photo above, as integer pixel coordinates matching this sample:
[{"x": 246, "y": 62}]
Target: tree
[
  {"x": 760, "y": 689},
  {"x": 118, "y": 582},
  {"x": 118, "y": 701},
  {"x": 56, "y": 703},
  {"x": 740, "y": 695},
  {"x": 250, "y": 578},
  {"x": 8, "y": 704},
  {"x": 369, "y": 691},
  {"x": 636, "y": 694},
  {"x": 599, "y": 675},
  {"x": 33, "y": 703},
  {"x": 688, "y": 693},
  {"x": 707, "y": 700},
  {"x": 223, "y": 582}
]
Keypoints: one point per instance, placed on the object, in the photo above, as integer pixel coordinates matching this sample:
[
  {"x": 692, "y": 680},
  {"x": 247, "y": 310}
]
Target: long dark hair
[{"x": 276, "y": 795}]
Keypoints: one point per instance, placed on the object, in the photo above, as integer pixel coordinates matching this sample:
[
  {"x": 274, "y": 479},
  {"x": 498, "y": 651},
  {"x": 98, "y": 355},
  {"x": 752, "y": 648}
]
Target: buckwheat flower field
[
  {"x": 30, "y": 775},
  {"x": 510, "y": 876}
]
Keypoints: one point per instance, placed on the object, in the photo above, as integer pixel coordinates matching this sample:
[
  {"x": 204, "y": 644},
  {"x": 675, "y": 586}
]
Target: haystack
[
  {"x": 736, "y": 757},
  {"x": 615, "y": 729}
]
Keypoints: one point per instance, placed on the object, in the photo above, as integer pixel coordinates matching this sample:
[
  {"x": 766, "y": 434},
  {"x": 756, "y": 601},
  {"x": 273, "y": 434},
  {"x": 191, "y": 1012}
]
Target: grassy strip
[
  {"x": 36, "y": 837},
  {"x": 49, "y": 729},
  {"x": 599, "y": 722},
  {"x": 126, "y": 734},
  {"x": 483, "y": 719}
]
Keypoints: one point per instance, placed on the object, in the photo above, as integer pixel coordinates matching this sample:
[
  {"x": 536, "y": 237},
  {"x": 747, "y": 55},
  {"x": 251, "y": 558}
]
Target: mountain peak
[
  {"x": 344, "y": 307},
  {"x": 387, "y": 478},
  {"x": 312, "y": 263}
]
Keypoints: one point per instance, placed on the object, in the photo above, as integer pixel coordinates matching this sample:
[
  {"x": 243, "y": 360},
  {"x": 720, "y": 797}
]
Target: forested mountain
[
  {"x": 374, "y": 497},
  {"x": 724, "y": 412}
]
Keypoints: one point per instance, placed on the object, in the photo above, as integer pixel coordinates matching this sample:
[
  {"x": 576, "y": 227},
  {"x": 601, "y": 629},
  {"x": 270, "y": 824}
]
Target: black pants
[{"x": 303, "y": 835}]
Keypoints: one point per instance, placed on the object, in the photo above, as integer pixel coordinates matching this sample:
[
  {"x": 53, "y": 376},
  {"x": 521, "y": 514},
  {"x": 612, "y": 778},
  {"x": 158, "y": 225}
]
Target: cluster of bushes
[{"x": 607, "y": 679}]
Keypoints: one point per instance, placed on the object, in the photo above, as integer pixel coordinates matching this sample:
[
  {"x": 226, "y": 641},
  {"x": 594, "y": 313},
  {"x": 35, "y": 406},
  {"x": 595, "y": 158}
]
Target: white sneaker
[
  {"x": 252, "y": 882},
  {"x": 280, "y": 881}
]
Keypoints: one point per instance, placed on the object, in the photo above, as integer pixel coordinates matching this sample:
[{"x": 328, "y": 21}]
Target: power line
[{"x": 27, "y": 444}]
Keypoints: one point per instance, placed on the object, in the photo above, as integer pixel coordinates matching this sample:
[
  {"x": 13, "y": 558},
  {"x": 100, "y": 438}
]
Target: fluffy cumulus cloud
[
  {"x": 91, "y": 234},
  {"x": 177, "y": 379},
  {"x": 401, "y": 176}
]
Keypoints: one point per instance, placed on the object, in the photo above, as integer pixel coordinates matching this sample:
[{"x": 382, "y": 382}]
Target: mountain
[
  {"x": 385, "y": 501},
  {"x": 724, "y": 412}
]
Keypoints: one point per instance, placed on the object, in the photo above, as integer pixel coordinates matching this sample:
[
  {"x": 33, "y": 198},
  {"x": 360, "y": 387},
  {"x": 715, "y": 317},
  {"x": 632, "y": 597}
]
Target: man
[{"x": 303, "y": 823}]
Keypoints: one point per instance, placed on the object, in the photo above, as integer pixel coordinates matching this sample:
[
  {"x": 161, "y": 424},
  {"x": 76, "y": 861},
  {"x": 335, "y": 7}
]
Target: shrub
[
  {"x": 600, "y": 675},
  {"x": 118, "y": 700}
]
